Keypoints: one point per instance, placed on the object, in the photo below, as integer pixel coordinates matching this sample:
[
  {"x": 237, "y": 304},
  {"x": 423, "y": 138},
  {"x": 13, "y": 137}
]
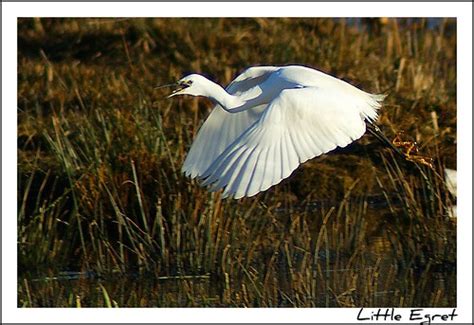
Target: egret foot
[{"x": 411, "y": 151}]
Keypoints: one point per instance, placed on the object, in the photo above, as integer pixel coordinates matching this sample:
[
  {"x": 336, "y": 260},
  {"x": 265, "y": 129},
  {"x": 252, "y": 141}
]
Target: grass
[{"x": 105, "y": 218}]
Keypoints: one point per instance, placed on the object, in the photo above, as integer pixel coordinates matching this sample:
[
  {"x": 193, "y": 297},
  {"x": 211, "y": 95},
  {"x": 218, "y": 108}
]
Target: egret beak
[{"x": 179, "y": 87}]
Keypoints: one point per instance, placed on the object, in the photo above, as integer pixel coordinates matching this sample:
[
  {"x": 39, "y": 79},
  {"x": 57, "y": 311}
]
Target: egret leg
[
  {"x": 397, "y": 143},
  {"x": 377, "y": 133}
]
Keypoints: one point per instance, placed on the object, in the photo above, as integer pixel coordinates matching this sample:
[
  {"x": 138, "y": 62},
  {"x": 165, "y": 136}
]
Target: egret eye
[{"x": 185, "y": 83}]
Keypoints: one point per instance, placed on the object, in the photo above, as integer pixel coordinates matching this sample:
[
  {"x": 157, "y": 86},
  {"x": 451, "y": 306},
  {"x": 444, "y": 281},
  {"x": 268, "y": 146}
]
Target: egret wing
[
  {"x": 221, "y": 128},
  {"x": 298, "y": 125}
]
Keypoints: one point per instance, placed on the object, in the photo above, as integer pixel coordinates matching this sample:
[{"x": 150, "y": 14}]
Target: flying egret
[{"x": 268, "y": 121}]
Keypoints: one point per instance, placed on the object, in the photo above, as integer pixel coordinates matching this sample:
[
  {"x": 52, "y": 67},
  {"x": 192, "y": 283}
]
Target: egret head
[{"x": 193, "y": 84}]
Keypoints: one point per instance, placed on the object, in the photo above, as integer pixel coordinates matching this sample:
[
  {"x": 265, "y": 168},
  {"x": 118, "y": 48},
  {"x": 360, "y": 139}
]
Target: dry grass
[{"x": 100, "y": 190}]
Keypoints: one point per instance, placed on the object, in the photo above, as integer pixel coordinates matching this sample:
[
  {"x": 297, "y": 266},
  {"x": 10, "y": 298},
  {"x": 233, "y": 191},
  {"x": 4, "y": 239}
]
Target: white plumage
[{"x": 268, "y": 121}]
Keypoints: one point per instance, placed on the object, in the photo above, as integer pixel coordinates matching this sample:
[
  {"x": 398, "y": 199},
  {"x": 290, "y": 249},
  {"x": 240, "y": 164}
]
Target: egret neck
[{"x": 231, "y": 103}]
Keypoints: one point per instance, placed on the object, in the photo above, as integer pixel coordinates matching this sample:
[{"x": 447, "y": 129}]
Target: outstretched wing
[
  {"x": 221, "y": 128},
  {"x": 298, "y": 125}
]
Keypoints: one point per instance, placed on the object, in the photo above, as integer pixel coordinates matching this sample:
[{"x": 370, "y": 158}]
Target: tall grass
[{"x": 101, "y": 194}]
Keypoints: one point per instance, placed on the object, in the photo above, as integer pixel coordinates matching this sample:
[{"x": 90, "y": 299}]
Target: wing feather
[
  {"x": 243, "y": 176},
  {"x": 269, "y": 167},
  {"x": 285, "y": 154},
  {"x": 278, "y": 170},
  {"x": 312, "y": 144},
  {"x": 235, "y": 178},
  {"x": 291, "y": 153},
  {"x": 299, "y": 124}
]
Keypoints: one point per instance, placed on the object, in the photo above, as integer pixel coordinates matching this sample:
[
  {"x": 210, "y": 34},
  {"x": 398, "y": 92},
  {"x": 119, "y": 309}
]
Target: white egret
[
  {"x": 268, "y": 121},
  {"x": 450, "y": 176}
]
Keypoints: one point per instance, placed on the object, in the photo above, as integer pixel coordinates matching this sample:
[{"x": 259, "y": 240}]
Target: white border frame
[{"x": 10, "y": 12}]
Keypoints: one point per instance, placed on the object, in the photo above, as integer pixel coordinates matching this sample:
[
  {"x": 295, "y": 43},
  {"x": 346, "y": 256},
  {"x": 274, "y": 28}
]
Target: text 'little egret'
[{"x": 268, "y": 121}]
